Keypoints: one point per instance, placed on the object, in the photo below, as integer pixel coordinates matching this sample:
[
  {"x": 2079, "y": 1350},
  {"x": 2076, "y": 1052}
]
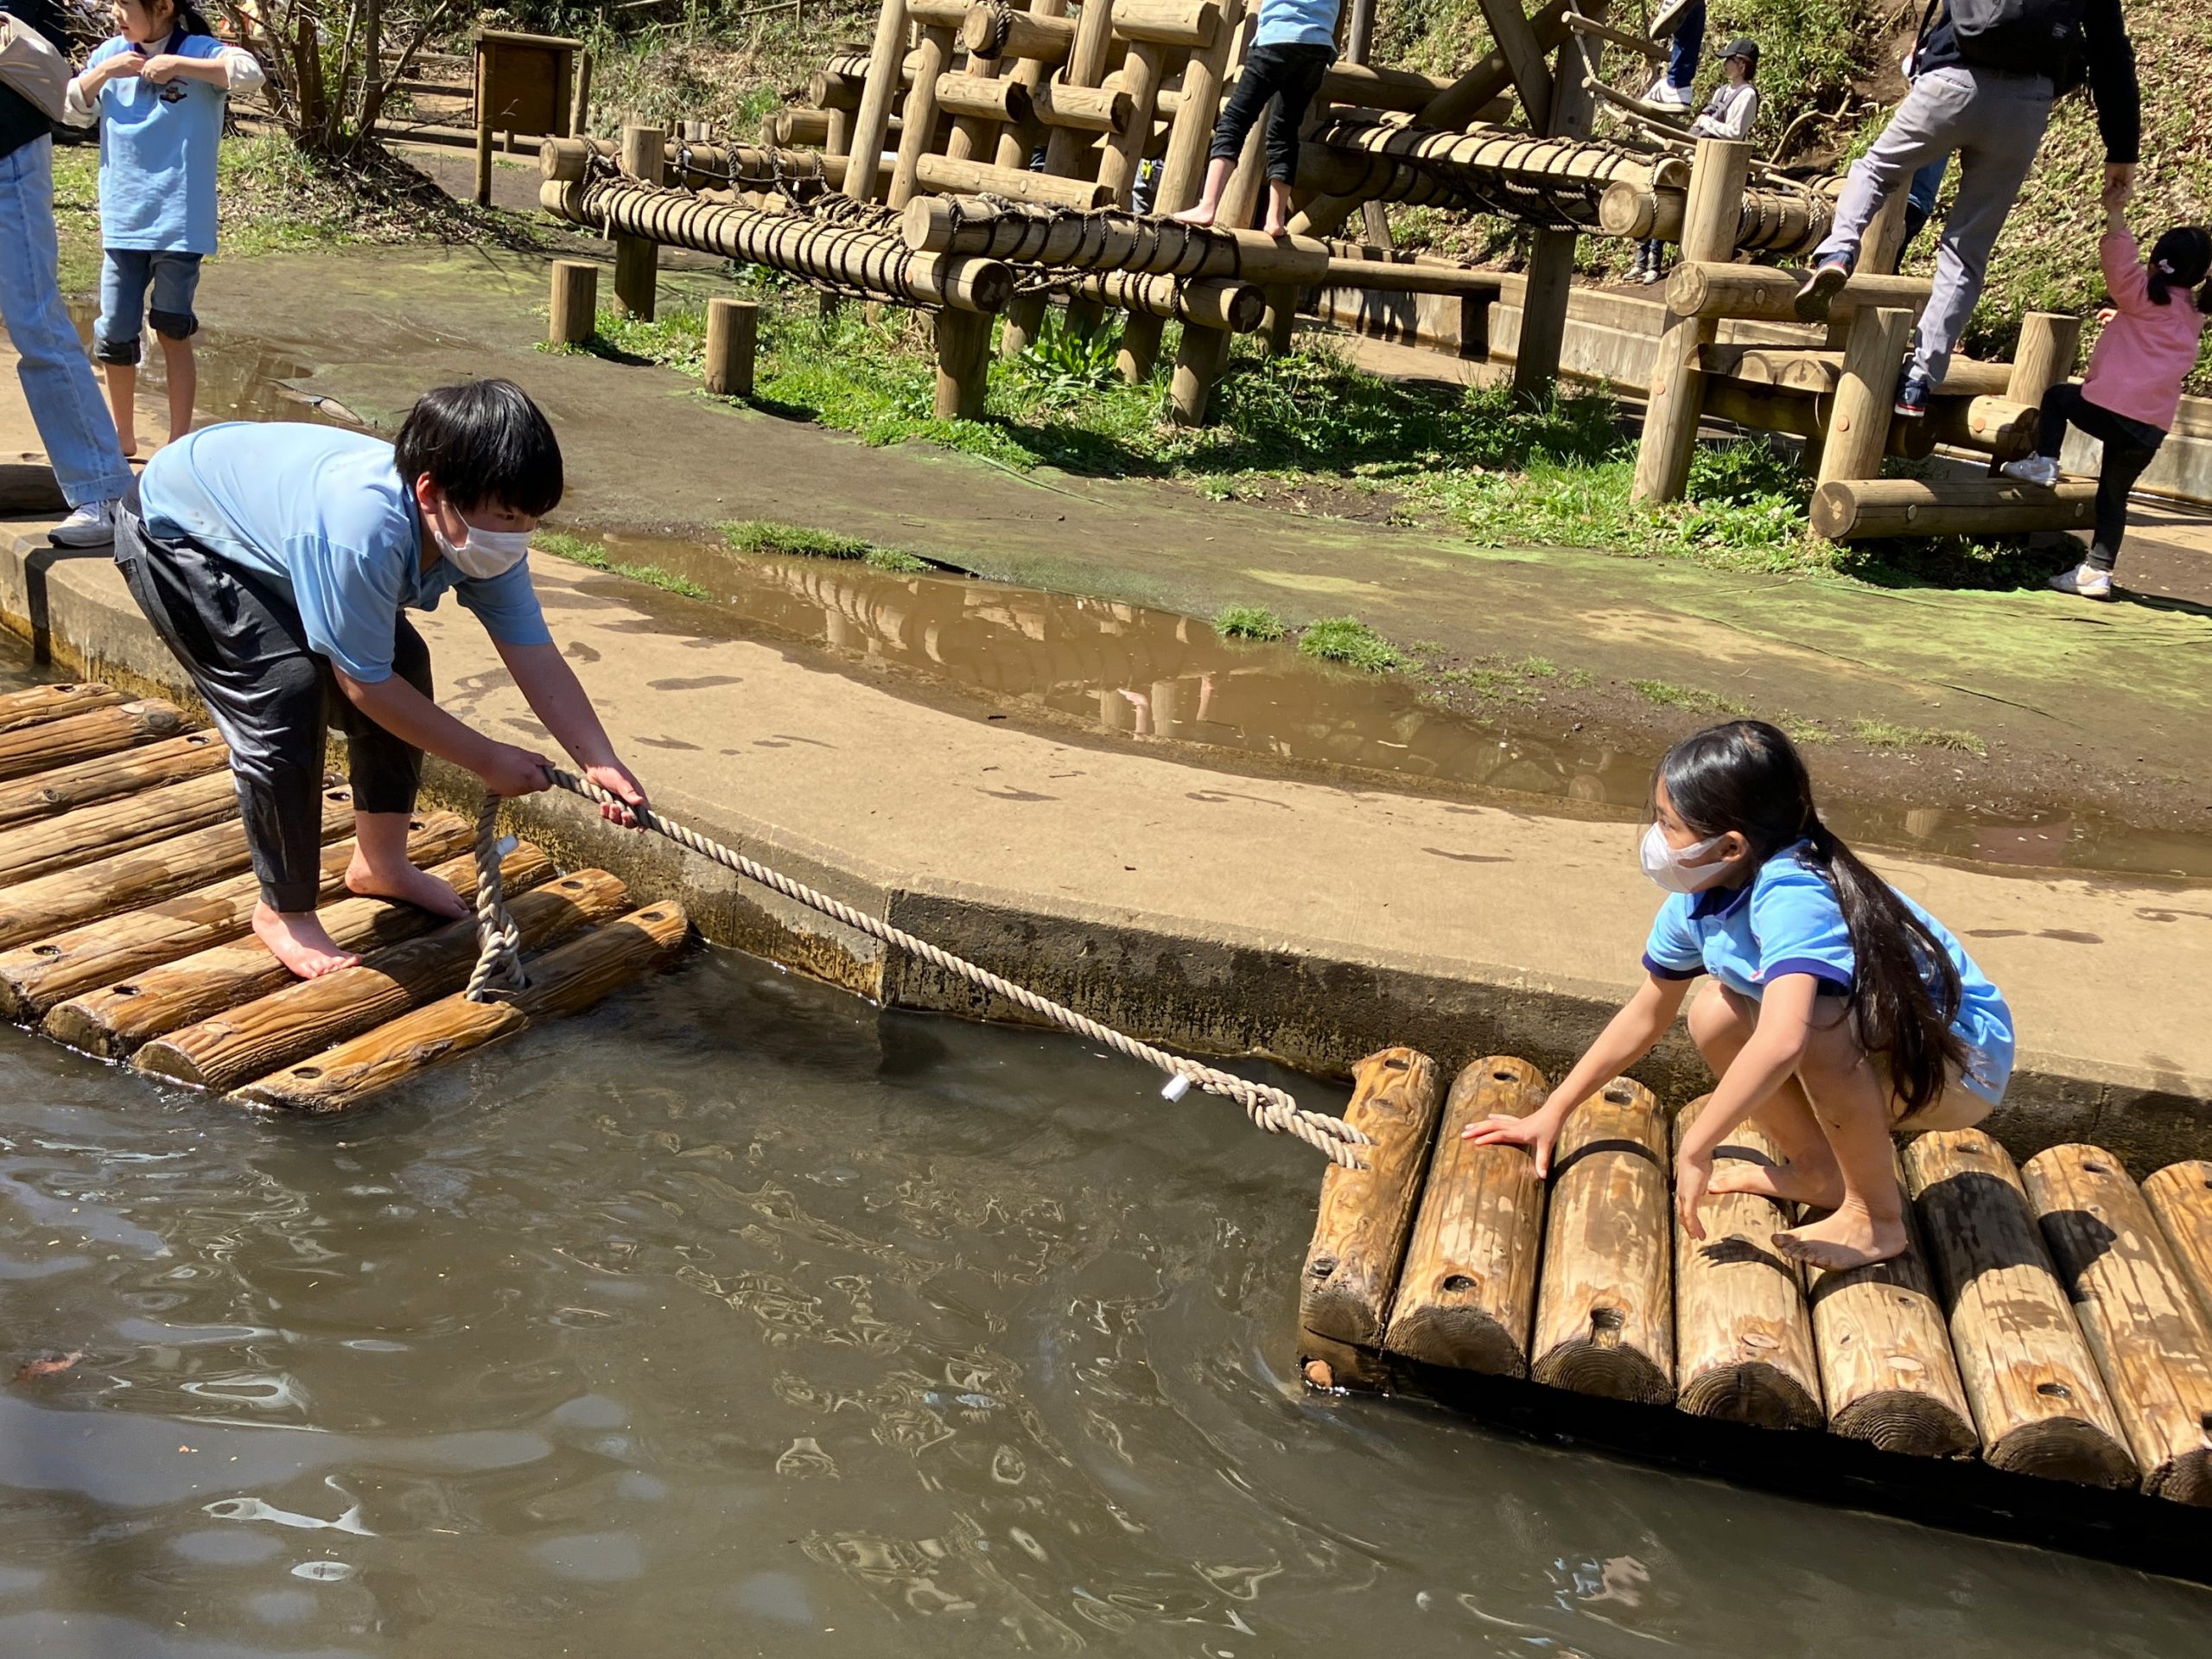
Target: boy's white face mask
[
  {"x": 485, "y": 553},
  {"x": 1678, "y": 869}
]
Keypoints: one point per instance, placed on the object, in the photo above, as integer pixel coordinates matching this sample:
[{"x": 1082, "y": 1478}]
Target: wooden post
[
  {"x": 733, "y": 333},
  {"x": 636, "y": 258},
  {"x": 1606, "y": 1310},
  {"x": 42, "y": 746},
  {"x": 1016, "y": 141},
  {"x": 1859, "y": 425},
  {"x": 963, "y": 362},
  {"x": 1549, "y": 286},
  {"x": 872, "y": 118},
  {"x": 2044, "y": 356},
  {"x": 1533, "y": 81},
  {"x": 1878, "y": 252},
  {"x": 918, "y": 119},
  {"x": 1359, "y": 1237},
  {"x": 1198, "y": 363},
  {"x": 579, "y": 105},
  {"x": 1674, "y": 402},
  {"x": 1469, "y": 1288},
  {"x": 48, "y": 794},
  {"x": 484, "y": 135},
  {"x": 572, "y": 317}
]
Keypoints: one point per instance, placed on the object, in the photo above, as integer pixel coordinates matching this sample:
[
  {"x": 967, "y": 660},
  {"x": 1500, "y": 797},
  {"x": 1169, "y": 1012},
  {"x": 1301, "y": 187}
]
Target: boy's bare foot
[
  {"x": 1790, "y": 1183},
  {"x": 299, "y": 940},
  {"x": 1199, "y": 218},
  {"x": 1852, "y": 1238},
  {"x": 408, "y": 886}
]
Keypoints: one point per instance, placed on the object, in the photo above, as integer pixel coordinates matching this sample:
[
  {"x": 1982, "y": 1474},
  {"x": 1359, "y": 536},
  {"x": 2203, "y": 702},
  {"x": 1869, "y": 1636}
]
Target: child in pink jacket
[{"x": 2132, "y": 391}]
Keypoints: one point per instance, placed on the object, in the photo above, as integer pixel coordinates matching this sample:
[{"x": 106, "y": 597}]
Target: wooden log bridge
[
  {"x": 2048, "y": 1331},
  {"x": 126, "y": 905},
  {"x": 1551, "y": 183}
]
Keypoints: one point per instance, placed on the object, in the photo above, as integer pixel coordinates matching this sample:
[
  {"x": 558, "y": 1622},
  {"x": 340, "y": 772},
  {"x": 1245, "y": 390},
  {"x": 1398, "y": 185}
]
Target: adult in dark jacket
[
  {"x": 1993, "y": 119},
  {"x": 73, "y": 420}
]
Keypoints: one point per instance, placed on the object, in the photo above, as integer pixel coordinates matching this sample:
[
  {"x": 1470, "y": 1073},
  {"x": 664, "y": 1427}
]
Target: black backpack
[{"x": 2022, "y": 37}]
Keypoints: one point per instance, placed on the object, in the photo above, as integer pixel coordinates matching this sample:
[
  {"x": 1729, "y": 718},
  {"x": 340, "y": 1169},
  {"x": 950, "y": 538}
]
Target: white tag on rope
[
  {"x": 1175, "y": 1088},
  {"x": 507, "y": 844}
]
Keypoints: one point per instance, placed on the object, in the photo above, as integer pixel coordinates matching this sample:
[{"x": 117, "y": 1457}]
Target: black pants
[
  {"x": 2129, "y": 446},
  {"x": 240, "y": 638},
  {"x": 1290, "y": 74}
]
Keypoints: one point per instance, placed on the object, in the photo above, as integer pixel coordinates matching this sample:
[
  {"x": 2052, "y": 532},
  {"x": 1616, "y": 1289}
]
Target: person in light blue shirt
[
  {"x": 278, "y": 563},
  {"x": 1290, "y": 51},
  {"x": 1841, "y": 1012},
  {"x": 157, "y": 90}
]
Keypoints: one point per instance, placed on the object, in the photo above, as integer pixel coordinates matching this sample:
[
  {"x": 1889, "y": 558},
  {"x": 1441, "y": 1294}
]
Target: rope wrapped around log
[
  {"x": 861, "y": 260},
  {"x": 798, "y": 173},
  {"x": 1548, "y": 183},
  {"x": 1788, "y": 223},
  {"x": 1102, "y": 239}
]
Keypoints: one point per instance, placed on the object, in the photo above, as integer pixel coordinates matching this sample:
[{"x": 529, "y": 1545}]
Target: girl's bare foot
[
  {"x": 1278, "y": 228},
  {"x": 299, "y": 940},
  {"x": 408, "y": 886},
  {"x": 1790, "y": 1183},
  {"x": 1199, "y": 218},
  {"x": 1853, "y": 1237}
]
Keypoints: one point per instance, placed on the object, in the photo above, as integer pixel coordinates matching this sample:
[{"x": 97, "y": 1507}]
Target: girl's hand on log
[
  {"x": 513, "y": 770},
  {"x": 1692, "y": 1174},
  {"x": 616, "y": 780},
  {"x": 1537, "y": 1132}
]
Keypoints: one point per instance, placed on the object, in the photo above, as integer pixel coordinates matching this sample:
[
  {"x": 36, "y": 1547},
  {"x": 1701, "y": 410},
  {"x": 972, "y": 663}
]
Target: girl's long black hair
[
  {"x": 1748, "y": 777},
  {"x": 2182, "y": 258}
]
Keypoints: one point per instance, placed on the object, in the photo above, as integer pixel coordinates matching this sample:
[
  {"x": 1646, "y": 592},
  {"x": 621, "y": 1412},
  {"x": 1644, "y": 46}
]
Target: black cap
[{"x": 1745, "y": 47}]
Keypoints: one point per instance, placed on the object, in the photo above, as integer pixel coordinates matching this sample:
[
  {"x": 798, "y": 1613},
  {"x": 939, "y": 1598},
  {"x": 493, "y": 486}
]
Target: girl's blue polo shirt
[
  {"x": 157, "y": 153},
  {"x": 1788, "y": 921}
]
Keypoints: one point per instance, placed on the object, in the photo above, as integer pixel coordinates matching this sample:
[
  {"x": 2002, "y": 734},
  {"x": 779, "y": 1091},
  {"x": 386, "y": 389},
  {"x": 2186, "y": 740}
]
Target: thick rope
[
  {"x": 1270, "y": 1107},
  {"x": 498, "y": 941}
]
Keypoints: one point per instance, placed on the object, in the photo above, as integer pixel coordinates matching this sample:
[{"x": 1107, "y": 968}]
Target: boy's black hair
[
  {"x": 482, "y": 440},
  {"x": 2182, "y": 258}
]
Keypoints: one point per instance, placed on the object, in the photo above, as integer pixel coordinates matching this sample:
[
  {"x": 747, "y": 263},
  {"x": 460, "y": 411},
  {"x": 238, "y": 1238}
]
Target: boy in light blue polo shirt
[
  {"x": 1291, "y": 50},
  {"x": 158, "y": 90}
]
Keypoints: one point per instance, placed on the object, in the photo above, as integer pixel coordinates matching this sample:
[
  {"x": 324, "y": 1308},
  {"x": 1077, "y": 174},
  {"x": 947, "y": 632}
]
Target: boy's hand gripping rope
[{"x": 500, "y": 960}]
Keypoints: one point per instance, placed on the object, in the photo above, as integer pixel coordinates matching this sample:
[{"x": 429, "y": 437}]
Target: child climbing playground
[
  {"x": 158, "y": 90},
  {"x": 276, "y": 562},
  {"x": 1292, "y": 50},
  {"x": 1731, "y": 113},
  {"x": 2131, "y": 393},
  {"x": 1840, "y": 1013}
]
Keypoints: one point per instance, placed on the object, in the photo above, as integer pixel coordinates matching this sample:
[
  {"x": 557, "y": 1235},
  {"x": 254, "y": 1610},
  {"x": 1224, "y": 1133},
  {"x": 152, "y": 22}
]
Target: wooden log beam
[
  {"x": 784, "y": 129},
  {"x": 34, "y": 978},
  {"x": 1039, "y": 36},
  {"x": 564, "y": 980},
  {"x": 68, "y": 898},
  {"x": 1999, "y": 427},
  {"x": 2049, "y": 342},
  {"x": 1859, "y": 425},
  {"x": 306, "y": 1016},
  {"x": 963, "y": 361},
  {"x": 1675, "y": 401},
  {"x": 2039, "y": 1404},
  {"x": 1193, "y": 23},
  {"x": 1359, "y": 1235},
  {"x": 36, "y": 746},
  {"x": 2152, "y": 1344},
  {"x": 979, "y": 98},
  {"x": 1086, "y": 66},
  {"x": 636, "y": 258},
  {"x": 1086, "y": 109},
  {"x": 1799, "y": 368},
  {"x": 1467, "y": 1295},
  {"x": 1743, "y": 1335},
  {"x": 1860, "y": 509},
  {"x": 1408, "y": 276},
  {"x": 2180, "y": 1197},
  {"x": 65, "y": 789},
  {"x": 1517, "y": 44},
  {"x": 1643, "y": 45},
  {"x": 1709, "y": 288},
  {"x": 1605, "y": 1312},
  {"x": 1134, "y": 243},
  {"x": 1203, "y": 301},
  {"x": 114, "y": 826},
  {"x": 113, "y": 1021},
  {"x": 1549, "y": 281},
  {"x": 1774, "y": 221},
  {"x": 1124, "y": 152},
  {"x": 918, "y": 131},
  {"x": 34, "y": 703},
  {"x": 1015, "y": 144},
  {"x": 879, "y": 91}
]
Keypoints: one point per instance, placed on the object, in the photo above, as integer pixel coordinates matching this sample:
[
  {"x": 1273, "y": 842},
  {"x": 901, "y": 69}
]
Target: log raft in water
[
  {"x": 43, "y": 745},
  {"x": 113, "y": 1021},
  {"x": 2151, "y": 1342},
  {"x": 34, "y": 703},
  {"x": 1742, "y": 1337},
  {"x": 33, "y": 978},
  {"x": 561, "y": 982},
  {"x": 2180, "y": 1195},
  {"x": 297, "y": 1020},
  {"x": 65, "y": 789},
  {"x": 114, "y": 826},
  {"x": 1468, "y": 1291},
  {"x": 1606, "y": 1314}
]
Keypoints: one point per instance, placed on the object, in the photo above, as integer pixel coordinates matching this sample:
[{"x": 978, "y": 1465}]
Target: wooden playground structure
[{"x": 983, "y": 160}]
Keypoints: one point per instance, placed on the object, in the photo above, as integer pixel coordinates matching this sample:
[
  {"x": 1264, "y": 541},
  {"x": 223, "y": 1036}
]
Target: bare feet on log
[
  {"x": 1791, "y": 1183},
  {"x": 1277, "y": 228},
  {"x": 1853, "y": 1237},
  {"x": 299, "y": 940},
  {"x": 1198, "y": 218},
  {"x": 408, "y": 886}
]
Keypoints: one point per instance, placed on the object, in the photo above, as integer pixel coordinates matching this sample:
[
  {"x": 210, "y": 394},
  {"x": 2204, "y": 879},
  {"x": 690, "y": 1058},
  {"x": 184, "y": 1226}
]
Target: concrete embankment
[{"x": 1209, "y": 909}]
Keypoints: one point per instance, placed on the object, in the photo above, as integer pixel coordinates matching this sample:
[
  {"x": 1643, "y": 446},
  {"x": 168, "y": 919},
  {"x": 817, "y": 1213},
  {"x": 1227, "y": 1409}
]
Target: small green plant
[
  {"x": 1248, "y": 622},
  {"x": 578, "y": 549},
  {"x": 1805, "y": 734},
  {"x": 1888, "y": 735},
  {"x": 1348, "y": 640},
  {"x": 1063, "y": 365},
  {"x": 1537, "y": 668},
  {"x": 1668, "y": 695},
  {"x": 1578, "y": 679},
  {"x": 765, "y": 537}
]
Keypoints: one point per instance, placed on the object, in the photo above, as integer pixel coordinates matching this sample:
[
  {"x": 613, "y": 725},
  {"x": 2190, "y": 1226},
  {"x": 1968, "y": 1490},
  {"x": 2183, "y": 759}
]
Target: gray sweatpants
[{"x": 1994, "y": 124}]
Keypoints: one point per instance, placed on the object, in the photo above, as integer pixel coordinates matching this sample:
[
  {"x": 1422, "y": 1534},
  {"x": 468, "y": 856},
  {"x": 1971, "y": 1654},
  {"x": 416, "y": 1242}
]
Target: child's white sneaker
[
  {"x": 2086, "y": 580},
  {"x": 91, "y": 525},
  {"x": 2032, "y": 469}
]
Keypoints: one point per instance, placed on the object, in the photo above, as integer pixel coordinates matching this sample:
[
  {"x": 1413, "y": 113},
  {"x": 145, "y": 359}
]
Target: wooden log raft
[
  {"x": 66, "y": 789},
  {"x": 561, "y": 982},
  {"x": 2038, "y": 1401},
  {"x": 1857, "y": 509},
  {"x": 34, "y": 703},
  {"x": 2151, "y": 1342},
  {"x": 1701, "y": 288},
  {"x": 1604, "y": 1313},
  {"x": 1742, "y": 1337},
  {"x": 1468, "y": 1291},
  {"x": 114, "y": 826},
  {"x": 1359, "y": 1237},
  {"x": 43, "y": 744},
  {"x": 301, "y": 1018},
  {"x": 33, "y": 978},
  {"x": 114, "y": 1020},
  {"x": 37, "y": 910},
  {"x": 2180, "y": 1195}
]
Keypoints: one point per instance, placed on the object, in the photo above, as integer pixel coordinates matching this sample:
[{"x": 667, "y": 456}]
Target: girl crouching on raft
[{"x": 1840, "y": 1013}]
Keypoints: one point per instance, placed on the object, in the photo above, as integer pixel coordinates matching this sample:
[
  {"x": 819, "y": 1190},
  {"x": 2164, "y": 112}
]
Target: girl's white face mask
[
  {"x": 1679, "y": 869},
  {"x": 485, "y": 553}
]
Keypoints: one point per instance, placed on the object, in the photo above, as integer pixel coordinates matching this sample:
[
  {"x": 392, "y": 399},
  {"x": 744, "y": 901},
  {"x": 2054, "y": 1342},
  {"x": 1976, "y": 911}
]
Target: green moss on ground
[{"x": 763, "y": 536}]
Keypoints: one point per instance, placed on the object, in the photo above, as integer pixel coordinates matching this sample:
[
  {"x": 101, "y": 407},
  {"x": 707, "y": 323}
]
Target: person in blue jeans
[
  {"x": 64, "y": 403},
  {"x": 157, "y": 90},
  {"x": 1682, "y": 24},
  {"x": 1291, "y": 50}
]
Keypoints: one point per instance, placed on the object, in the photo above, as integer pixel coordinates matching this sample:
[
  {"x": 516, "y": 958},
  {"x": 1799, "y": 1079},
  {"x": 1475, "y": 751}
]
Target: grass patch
[
  {"x": 1888, "y": 735},
  {"x": 1248, "y": 622},
  {"x": 1805, "y": 734},
  {"x": 764, "y": 535},
  {"x": 1348, "y": 640},
  {"x": 579, "y": 549},
  {"x": 1668, "y": 695}
]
